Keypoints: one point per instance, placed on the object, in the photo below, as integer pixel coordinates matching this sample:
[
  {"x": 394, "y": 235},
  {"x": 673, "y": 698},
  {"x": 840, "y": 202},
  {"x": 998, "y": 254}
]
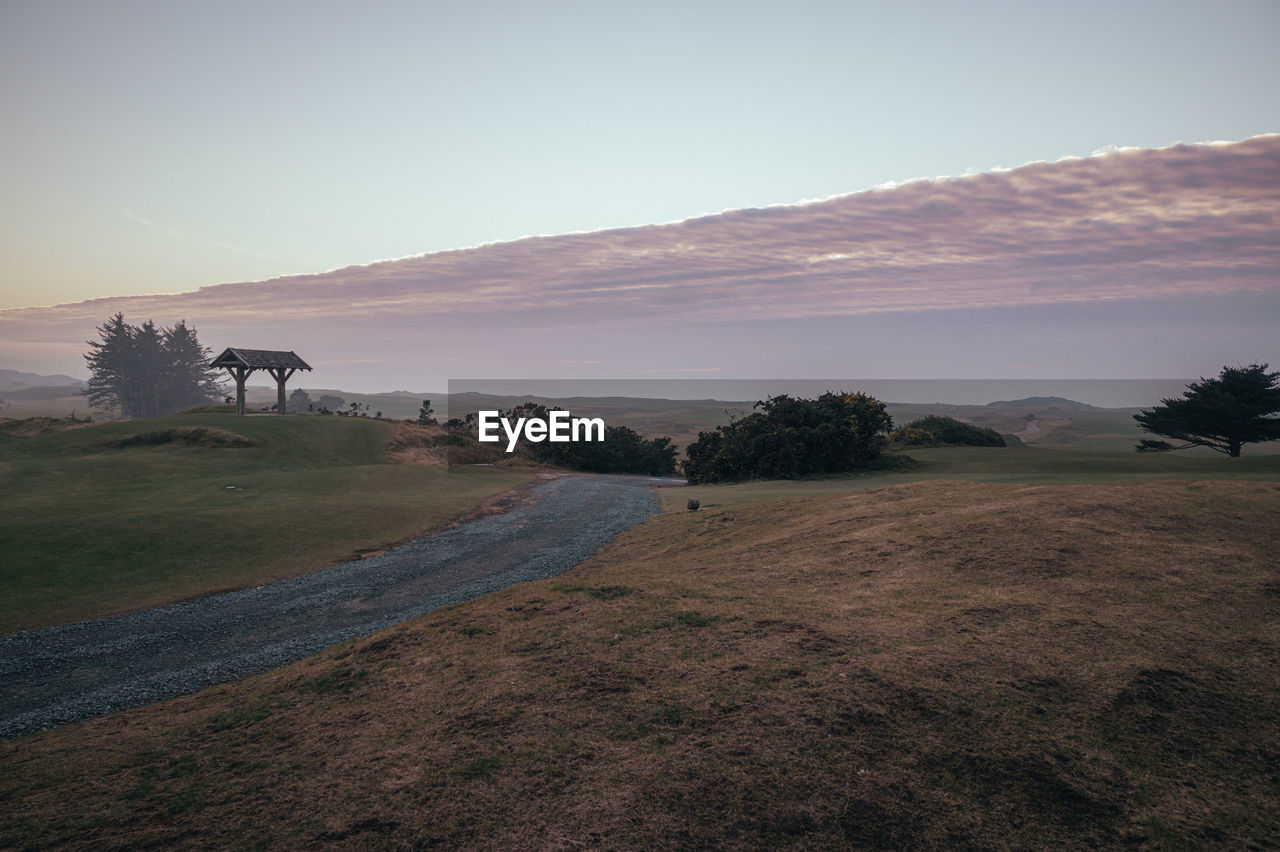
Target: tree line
[{"x": 148, "y": 371}]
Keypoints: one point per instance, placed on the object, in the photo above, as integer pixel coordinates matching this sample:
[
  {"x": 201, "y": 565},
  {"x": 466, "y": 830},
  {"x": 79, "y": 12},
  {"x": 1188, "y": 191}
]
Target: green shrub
[
  {"x": 786, "y": 438},
  {"x": 936, "y": 429}
]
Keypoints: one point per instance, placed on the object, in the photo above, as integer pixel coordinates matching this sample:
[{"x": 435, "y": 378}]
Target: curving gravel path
[{"x": 79, "y": 671}]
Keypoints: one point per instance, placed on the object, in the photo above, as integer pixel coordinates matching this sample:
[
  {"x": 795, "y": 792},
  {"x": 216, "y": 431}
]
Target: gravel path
[{"x": 79, "y": 671}]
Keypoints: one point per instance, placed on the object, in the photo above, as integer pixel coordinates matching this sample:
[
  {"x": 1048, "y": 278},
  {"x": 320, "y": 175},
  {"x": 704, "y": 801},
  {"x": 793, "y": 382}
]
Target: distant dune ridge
[
  {"x": 1041, "y": 401},
  {"x": 16, "y": 380},
  {"x": 1183, "y": 222}
]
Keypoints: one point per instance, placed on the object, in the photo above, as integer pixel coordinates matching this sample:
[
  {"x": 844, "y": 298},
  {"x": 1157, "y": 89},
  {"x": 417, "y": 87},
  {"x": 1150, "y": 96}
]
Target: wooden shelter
[{"x": 240, "y": 363}]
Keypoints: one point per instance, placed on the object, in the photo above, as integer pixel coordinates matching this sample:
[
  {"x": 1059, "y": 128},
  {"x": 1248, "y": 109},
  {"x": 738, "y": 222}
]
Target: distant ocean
[{"x": 1104, "y": 393}]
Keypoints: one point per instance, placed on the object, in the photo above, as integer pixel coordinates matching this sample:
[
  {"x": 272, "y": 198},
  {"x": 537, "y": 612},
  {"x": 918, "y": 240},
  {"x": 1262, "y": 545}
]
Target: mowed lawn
[
  {"x": 89, "y": 529},
  {"x": 938, "y": 665}
]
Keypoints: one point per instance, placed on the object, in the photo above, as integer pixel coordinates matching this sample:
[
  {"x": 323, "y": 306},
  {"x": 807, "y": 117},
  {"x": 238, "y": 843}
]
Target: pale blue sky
[{"x": 160, "y": 146}]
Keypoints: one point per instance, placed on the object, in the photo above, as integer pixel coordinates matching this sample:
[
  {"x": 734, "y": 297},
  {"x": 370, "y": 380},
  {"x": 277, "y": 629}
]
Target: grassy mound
[
  {"x": 194, "y": 436},
  {"x": 937, "y": 430},
  {"x": 933, "y": 665}
]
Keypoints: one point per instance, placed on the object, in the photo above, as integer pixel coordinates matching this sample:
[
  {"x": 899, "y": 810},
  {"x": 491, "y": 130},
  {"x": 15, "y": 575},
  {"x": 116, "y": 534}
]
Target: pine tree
[
  {"x": 113, "y": 368},
  {"x": 149, "y": 354},
  {"x": 188, "y": 380},
  {"x": 145, "y": 371}
]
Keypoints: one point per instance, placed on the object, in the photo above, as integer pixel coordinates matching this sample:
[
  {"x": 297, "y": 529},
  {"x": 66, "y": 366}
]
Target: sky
[{"x": 161, "y": 147}]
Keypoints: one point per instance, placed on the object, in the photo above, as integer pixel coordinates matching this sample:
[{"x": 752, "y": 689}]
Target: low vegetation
[
  {"x": 29, "y": 427},
  {"x": 194, "y": 436},
  {"x": 122, "y": 516},
  {"x": 938, "y": 430},
  {"x": 929, "y": 665},
  {"x": 435, "y": 445}
]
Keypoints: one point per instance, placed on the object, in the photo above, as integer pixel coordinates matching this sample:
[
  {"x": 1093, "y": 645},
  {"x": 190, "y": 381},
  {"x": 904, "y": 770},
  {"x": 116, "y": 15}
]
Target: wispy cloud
[
  {"x": 183, "y": 234},
  {"x": 137, "y": 218}
]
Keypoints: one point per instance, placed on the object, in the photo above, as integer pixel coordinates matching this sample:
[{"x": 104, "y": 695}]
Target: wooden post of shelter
[
  {"x": 241, "y": 363},
  {"x": 281, "y": 375},
  {"x": 239, "y": 374}
]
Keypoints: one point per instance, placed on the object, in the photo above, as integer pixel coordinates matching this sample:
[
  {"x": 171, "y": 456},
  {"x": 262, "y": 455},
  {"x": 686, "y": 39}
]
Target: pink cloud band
[{"x": 1131, "y": 224}]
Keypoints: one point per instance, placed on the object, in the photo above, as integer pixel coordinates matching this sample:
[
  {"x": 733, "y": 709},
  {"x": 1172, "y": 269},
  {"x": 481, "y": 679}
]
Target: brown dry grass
[
  {"x": 945, "y": 665},
  {"x": 30, "y": 427},
  {"x": 413, "y": 444},
  {"x": 432, "y": 445}
]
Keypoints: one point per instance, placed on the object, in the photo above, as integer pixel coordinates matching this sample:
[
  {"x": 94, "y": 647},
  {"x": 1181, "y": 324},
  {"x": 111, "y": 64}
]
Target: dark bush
[{"x": 786, "y": 438}]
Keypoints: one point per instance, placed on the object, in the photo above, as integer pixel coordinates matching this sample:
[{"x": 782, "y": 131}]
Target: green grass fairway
[
  {"x": 1032, "y": 465},
  {"x": 88, "y": 529}
]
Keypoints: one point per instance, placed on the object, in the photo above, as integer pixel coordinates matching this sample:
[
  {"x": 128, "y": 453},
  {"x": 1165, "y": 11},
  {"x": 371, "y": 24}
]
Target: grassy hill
[
  {"x": 121, "y": 516},
  {"x": 924, "y": 665}
]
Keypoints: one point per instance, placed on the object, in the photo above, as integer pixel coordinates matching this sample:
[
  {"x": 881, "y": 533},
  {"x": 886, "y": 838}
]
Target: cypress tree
[{"x": 145, "y": 371}]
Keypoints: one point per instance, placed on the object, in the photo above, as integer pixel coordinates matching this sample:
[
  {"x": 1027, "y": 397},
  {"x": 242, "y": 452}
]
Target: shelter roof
[{"x": 260, "y": 359}]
